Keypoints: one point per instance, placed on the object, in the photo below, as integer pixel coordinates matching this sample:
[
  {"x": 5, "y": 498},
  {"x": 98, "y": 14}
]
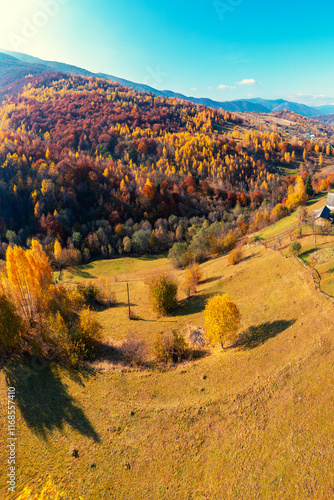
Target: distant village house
[
  {"x": 330, "y": 201},
  {"x": 323, "y": 216}
]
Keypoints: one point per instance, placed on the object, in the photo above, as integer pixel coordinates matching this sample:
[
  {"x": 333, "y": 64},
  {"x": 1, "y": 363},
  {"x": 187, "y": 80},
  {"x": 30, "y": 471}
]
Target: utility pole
[{"x": 127, "y": 286}]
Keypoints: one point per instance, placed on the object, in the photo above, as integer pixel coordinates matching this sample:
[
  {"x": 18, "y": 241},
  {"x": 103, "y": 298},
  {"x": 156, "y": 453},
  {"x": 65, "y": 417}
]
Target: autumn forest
[{"x": 105, "y": 171}]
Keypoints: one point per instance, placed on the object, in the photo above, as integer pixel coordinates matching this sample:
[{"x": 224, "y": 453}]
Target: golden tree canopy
[
  {"x": 57, "y": 249},
  {"x": 29, "y": 275},
  {"x": 222, "y": 319}
]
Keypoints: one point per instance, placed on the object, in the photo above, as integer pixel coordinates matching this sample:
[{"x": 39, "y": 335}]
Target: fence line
[{"x": 317, "y": 285}]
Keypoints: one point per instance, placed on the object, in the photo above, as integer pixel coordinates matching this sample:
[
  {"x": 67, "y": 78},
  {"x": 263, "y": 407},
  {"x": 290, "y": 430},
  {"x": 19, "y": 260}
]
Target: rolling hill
[
  {"x": 13, "y": 70},
  {"x": 253, "y": 421}
]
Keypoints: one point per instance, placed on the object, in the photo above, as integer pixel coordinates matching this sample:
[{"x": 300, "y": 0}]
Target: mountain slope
[
  {"x": 12, "y": 70},
  {"x": 281, "y": 105},
  {"x": 241, "y": 105},
  {"x": 325, "y": 110},
  {"x": 328, "y": 119},
  {"x": 300, "y": 109}
]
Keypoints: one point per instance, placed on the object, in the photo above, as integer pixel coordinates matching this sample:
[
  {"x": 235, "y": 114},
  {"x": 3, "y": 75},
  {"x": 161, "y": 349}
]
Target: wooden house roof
[
  {"x": 330, "y": 200},
  {"x": 323, "y": 213}
]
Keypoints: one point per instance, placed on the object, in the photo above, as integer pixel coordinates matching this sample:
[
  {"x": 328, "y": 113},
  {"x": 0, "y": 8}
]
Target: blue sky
[{"x": 222, "y": 49}]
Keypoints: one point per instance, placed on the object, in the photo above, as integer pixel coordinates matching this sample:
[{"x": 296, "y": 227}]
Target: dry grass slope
[{"x": 252, "y": 422}]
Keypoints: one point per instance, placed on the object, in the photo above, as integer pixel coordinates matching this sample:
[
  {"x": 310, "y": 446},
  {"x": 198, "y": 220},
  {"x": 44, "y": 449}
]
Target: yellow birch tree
[{"x": 29, "y": 275}]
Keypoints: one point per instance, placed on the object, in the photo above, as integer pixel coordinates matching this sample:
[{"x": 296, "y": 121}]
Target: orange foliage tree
[{"x": 28, "y": 277}]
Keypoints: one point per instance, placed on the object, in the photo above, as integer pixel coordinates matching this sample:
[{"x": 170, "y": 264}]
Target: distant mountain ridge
[
  {"x": 325, "y": 118},
  {"x": 11, "y": 69},
  {"x": 15, "y": 65}
]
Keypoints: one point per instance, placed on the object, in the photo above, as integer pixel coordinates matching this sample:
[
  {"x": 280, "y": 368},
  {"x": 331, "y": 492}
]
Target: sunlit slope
[{"x": 248, "y": 422}]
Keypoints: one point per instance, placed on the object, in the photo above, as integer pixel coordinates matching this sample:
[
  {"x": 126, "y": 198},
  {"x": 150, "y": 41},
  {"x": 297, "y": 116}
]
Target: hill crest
[{"x": 35, "y": 65}]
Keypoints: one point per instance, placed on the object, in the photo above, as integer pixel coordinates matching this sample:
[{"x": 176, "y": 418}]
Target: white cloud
[
  {"x": 224, "y": 87},
  {"x": 193, "y": 88},
  {"x": 310, "y": 99},
  {"x": 247, "y": 81}
]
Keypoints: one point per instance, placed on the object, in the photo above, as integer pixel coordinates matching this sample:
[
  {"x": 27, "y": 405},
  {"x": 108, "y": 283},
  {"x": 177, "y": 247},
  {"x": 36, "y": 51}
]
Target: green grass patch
[
  {"x": 291, "y": 220},
  {"x": 113, "y": 267}
]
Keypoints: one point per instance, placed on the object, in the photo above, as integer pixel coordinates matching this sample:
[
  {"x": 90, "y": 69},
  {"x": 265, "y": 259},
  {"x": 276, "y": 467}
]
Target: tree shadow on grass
[
  {"x": 315, "y": 199},
  {"x": 257, "y": 335},
  {"x": 125, "y": 304},
  {"x": 105, "y": 351},
  {"x": 81, "y": 272},
  {"x": 105, "y": 307},
  {"x": 196, "y": 354},
  {"x": 192, "y": 305},
  {"x": 248, "y": 257},
  {"x": 304, "y": 255},
  {"x": 116, "y": 355},
  {"x": 43, "y": 400},
  {"x": 153, "y": 257},
  {"x": 210, "y": 280}
]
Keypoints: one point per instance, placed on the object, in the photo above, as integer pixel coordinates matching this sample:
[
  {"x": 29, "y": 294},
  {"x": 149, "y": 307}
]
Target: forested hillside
[
  {"x": 327, "y": 119},
  {"x": 107, "y": 170}
]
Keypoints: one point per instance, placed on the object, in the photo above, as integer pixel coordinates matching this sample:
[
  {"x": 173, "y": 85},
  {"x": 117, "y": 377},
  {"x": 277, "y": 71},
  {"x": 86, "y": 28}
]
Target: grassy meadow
[{"x": 248, "y": 422}]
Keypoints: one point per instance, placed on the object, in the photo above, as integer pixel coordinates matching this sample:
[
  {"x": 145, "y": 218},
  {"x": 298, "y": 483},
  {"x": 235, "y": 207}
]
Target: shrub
[
  {"x": 73, "y": 338},
  {"x": 64, "y": 337},
  {"x": 66, "y": 257},
  {"x": 11, "y": 325},
  {"x": 230, "y": 241},
  {"x": 295, "y": 248},
  {"x": 75, "y": 299},
  {"x": 200, "y": 245},
  {"x": 235, "y": 256},
  {"x": 179, "y": 255},
  {"x": 107, "y": 293},
  {"x": 171, "y": 347},
  {"x": 192, "y": 278},
  {"x": 134, "y": 350},
  {"x": 163, "y": 294},
  {"x": 91, "y": 293},
  {"x": 222, "y": 319},
  {"x": 70, "y": 257},
  {"x": 59, "y": 299},
  {"x": 90, "y": 330}
]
